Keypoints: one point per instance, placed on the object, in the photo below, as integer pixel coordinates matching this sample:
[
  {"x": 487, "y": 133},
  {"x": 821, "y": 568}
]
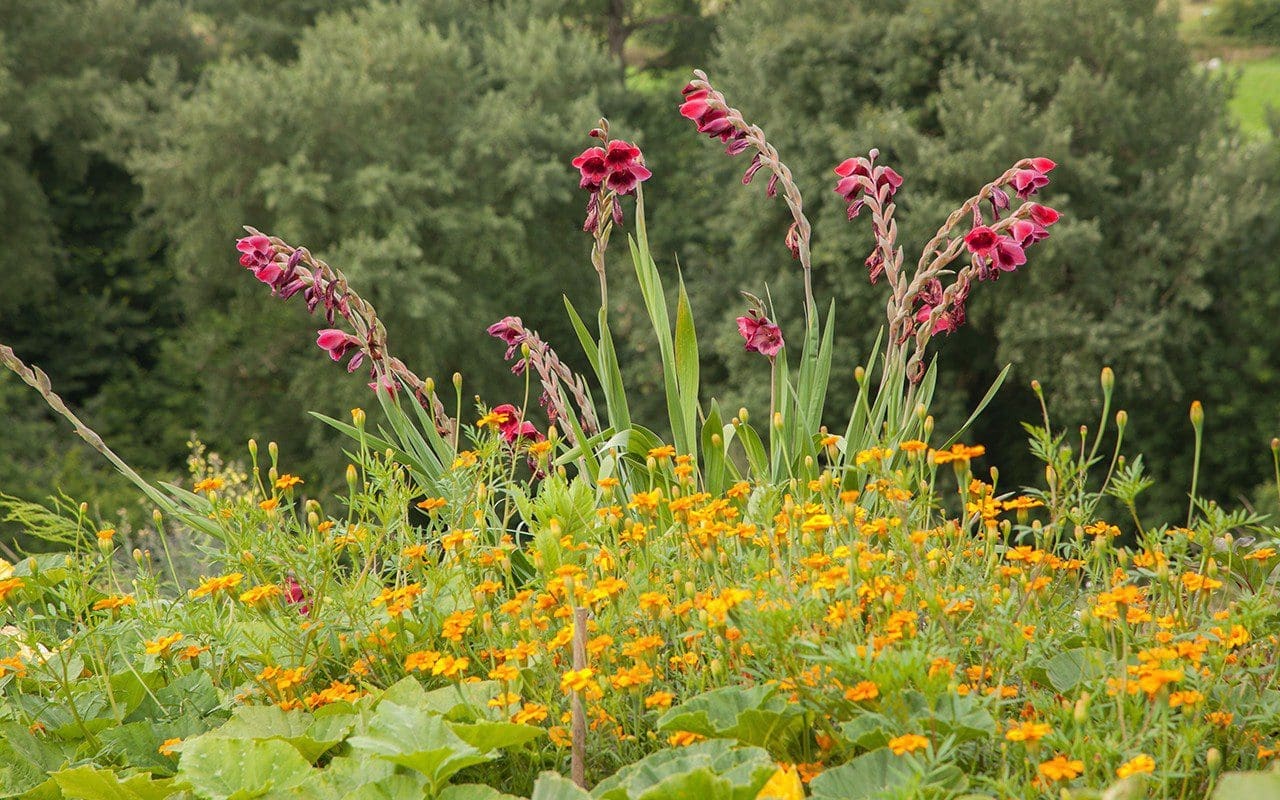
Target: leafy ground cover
[{"x": 750, "y": 606}]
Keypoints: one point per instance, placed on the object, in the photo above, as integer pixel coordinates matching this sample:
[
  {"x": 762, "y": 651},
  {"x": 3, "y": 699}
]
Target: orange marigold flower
[
  {"x": 957, "y": 453},
  {"x": 421, "y": 661},
  {"x": 209, "y": 485},
  {"x": 432, "y": 504},
  {"x": 162, "y": 645},
  {"x": 222, "y": 583},
  {"x": 114, "y": 602},
  {"x": 10, "y": 585},
  {"x": 1188, "y": 697},
  {"x": 659, "y": 700},
  {"x": 169, "y": 746},
  {"x": 665, "y": 451},
  {"x": 863, "y": 690},
  {"x": 529, "y": 713},
  {"x": 913, "y": 446},
  {"x": 449, "y": 666},
  {"x": 1137, "y": 765},
  {"x": 1060, "y": 768},
  {"x": 261, "y": 594},
  {"x": 907, "y": 743},
  {"x": 287, "y": 482},
  {"x": 577, "y": 680},
  {"x": 1028, "y": 732},
  {"x": 1195, "y": 582},
  {"x": 684, "y": 738}
]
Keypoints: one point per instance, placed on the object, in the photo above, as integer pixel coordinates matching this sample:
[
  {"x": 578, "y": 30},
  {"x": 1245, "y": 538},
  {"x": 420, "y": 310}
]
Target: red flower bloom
[
  {"x": 624, "y": 180},
  {"x": 1043, "y": 215},
  {"x": 980, "y": 240},
  {"x": 592, "y": 167},
  {"x": 1008, "y": 254},
  {"x": 1027, "y": 182},
  {"x": 760, "y": 335},
  {"x": 513, "y": 428},
  {"x": 851, "y": 188},
  {"x": 510, "y": 330},
  {"x": 256, "y": 251}
]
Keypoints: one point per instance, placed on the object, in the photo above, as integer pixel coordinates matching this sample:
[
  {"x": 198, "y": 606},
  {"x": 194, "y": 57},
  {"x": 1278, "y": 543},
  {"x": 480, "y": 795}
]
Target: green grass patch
[{"x": 1258, "y": 88}]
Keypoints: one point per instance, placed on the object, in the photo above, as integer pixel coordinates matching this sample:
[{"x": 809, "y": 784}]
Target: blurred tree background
[{"x": 423, "y": 146}]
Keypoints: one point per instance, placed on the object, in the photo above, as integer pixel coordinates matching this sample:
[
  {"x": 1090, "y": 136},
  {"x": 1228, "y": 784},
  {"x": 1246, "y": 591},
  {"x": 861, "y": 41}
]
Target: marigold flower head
[
  {"x": 1137, "y": 765},
  {"x": 1060, "y": 768},
  {"x": 577, "y": 680},
  {"x": 863, "y": 690},
  {"x": 209, "y": 485},
  {"x": 162, "y": 645},
  {"x": 1028, "y": 731},
  {"x": 907, "y": 743},
  {"x": 287, "y": 482}
]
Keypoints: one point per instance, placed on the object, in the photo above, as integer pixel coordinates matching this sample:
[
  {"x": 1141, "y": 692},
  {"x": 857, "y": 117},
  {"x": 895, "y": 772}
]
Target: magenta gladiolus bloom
[
  {"x": 256, "y": 252},
  {"x": 1008, "y": 254},
  {"x": 1043, "y": 215},
  {"x": 336, "y": 342},
  {"x": 760, "y": 335},
  {"x": 851, "y": 188},
  {"x": 592, "y": 167},
  {"x": 1027, "y": 182},
  {"x": 624, "y": 179},
  {"x": 980, "y": 240}
]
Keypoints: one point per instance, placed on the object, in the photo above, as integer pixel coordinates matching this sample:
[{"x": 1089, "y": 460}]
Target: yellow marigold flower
[
  {"x": 193, "y": 651},
  {"x": 957, "y": 453},
  {"x": 414, "y": 552},
  {"x": 1028, "y": 732},
  {"x": 1021, "y": 504},
  {"x": 1219, "y": 719},
  {"x": 653, "y": 601},
  {"x": 1195, "y": 582},
  {"x": 1189, "y": 697},
  {"x": 209, "y": 485},
  {"x": 169, "y": 746},
  {"x": 162, "y": 645},
  {"x": 8, "y": 586},
  {"x": 14, "y": 665},
  {"x": 539, "y": 450},
  {"x": 646, "y": 502},
  {"x": 106, "y": 535},
  {"x": 287, "y": 482},
  {"x": 261, "y": 594},
  {"x": 336, "y": 692},
  {"x": 1102, "y": 528},
  {"x": 421, "y": 661},
  {"x": 269, "y": 504},
  {"x": 492, "y": 420},
  {"x": 864, "y": 457},
  {"x": 449, "y": 666},
  {"x": 559, "y": 736},
  {"x": 467, "y": 458},
  {"x": 739, "y": 491},
  {"x": 1137, "y": 765},
  {"x": 863, "y": 690},
  {"x": 659, "y": 700},
  {"x": 1261, "y": 554},
  {"x": 577, "y": 680},
  {"x": 504, "y": 672},
  {"x": 684, "y": 738},
  {"x": 529, "y": 713},
  {"x": 785, "y": 784},
  {"x": 907, "y": 743},
  {"x": 913, "y": 446},
  {"x": 222, "y": 583},
  {"x": 665, "y": 451},
  {"x": 817, "y": 522},
  {"x": 1060, "y": 768},
  {"x": 114, "y": 602}
]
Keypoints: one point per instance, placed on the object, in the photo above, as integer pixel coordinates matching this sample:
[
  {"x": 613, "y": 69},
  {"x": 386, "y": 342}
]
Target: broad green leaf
[
  {"x": 1068, "y": 670},
  {"x": 311, "y": 737},
  {"x": 737, "y": 773},
  {"x": 554, "y": 786},
  {"x": 232, "y": 769},
  {"x": 487, "y": 736},
  {"x": 418, "y": 740},
  {"x": 1248, "y": 786},
  {"x": 89, "y": 783},
  {"x": 473, "y": 791},
  {"x": 869, "y": 776},
  {"x": 713, "y": 713},
  {"x": 464, "y": 702}
]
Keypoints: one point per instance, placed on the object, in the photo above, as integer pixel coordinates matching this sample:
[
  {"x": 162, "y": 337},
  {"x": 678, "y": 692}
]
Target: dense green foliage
[
  {"x": 1255, "y": 20},
  {"x": 421, "y": 147}
]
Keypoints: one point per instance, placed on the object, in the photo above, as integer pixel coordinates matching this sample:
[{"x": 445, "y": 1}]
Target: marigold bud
[
  {"x": 1197, "y": 414},
  {"x": 457, "y": 380},
  {"x": 253, "y": 449},
  {"x": 777, "y": 419},
  {"x": 1213, "y": 759},
  {"x": 358, "y": 417},
  {"x": 742, "y": 415},
  {"x": 352, "y": 477},
  {"x": 928, "y": 426},
  {"x": 274, "y": 450},
  {"x": 429, "y": 384},
  {"x": 1122, "y": 419},
  {"x": 156, "y": 516},
  {"x": 859, "y": 374},
  {"x": 1081, "y": 711},
  {"x": 717, "y": 441},
  {"x": 1035, "y": 387}
]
